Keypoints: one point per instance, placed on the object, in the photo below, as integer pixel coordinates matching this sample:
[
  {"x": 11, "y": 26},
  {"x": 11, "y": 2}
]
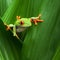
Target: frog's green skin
[{"x": 27, "y": 23}]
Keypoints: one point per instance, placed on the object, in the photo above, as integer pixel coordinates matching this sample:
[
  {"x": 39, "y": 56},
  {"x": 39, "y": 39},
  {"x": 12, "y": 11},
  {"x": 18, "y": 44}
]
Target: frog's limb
[
  {"x": 18, "y": 17},
  {"x": 35, "y": 22},
  {"x": 36, "y": 19},
  {"x": 40, "y": 20},
  {"x": 9, "y": 26},
  {"x": 38, "y": 16},
  {"x": 6, "y": 26},
  {"x": 14, "y": 31}
]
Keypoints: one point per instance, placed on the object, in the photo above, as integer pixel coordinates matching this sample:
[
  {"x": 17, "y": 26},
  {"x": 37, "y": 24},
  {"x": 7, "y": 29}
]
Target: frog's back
[{"x": 25, "y": 19}]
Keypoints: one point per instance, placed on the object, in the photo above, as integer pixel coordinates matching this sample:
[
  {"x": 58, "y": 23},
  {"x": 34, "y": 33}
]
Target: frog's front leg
[
  {"x": 8, "y": 26},
  {"x": 14, "y": 28},
  {"x": 14, "y": 32}
]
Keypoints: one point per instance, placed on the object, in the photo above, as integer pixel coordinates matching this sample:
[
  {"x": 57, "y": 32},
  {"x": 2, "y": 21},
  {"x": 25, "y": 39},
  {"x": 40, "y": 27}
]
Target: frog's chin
[{"x": 21, "y": 29}]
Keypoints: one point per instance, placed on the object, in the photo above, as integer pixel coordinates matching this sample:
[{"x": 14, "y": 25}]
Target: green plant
[{"x": 40, "y": 42}]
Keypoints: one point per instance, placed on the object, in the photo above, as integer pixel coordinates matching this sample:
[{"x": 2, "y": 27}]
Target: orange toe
[
  {"x": 8, "y": 28},
  {"x": 40, "y": 20},
  {"x": 35, "y": 22},
  {"x": 18, "y": 17}
]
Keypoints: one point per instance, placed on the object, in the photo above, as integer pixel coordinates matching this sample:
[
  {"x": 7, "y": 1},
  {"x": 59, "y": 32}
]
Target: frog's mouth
[{"x": 25, "y": 25}]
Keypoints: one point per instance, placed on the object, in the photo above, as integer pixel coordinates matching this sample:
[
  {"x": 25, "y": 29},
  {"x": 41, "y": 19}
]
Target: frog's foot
[
  {"x": 39, "y": 20},
  {"x": 39, "y": 16},
  {"x": 36, "y": 21},
  {"x": 8, "y": 28},
  {"x": 18, "y": 17}
]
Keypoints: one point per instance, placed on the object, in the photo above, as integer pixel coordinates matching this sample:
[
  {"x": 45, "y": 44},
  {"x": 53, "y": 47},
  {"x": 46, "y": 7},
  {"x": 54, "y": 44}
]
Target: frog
[{"x": 22, "y": 24}]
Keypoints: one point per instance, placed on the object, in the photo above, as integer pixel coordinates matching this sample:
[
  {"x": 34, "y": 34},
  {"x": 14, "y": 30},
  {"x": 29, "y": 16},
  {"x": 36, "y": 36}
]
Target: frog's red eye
[{"x": 21, "y": 22}]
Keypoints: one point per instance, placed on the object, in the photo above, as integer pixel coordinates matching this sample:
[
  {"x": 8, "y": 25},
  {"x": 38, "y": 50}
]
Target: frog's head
[
  {"x": 35, "y": 20},
  {"x": 23, "y": 22}
]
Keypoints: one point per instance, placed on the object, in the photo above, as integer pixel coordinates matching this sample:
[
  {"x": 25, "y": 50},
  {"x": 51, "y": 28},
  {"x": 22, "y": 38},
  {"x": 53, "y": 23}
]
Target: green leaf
[
  {"x": 41, "y": 42},
  {"x": 4, "y": 5},
  {"x": 8, "y": 45},
  {"x": 57, "y": 54}
]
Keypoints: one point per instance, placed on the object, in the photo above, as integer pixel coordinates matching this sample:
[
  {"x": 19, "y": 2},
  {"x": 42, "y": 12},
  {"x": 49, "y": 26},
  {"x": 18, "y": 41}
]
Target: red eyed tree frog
[{"x": 22, "y": 23}]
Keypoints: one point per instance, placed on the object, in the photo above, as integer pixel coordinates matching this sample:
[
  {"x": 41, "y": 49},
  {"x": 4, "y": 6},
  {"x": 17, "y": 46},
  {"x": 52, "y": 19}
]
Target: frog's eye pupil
[{"x": 22, "y": 22}]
